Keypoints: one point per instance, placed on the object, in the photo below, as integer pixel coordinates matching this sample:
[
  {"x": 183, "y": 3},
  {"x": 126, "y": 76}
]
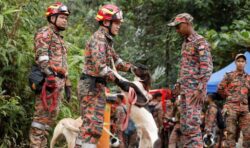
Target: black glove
[
  {"x": 124, "y": 85},
  {"x": 68, "y": 93}
]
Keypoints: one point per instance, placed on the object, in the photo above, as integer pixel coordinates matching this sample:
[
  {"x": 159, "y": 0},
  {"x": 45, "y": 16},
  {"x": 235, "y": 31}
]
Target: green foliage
[{"x": 13, "y": 119}]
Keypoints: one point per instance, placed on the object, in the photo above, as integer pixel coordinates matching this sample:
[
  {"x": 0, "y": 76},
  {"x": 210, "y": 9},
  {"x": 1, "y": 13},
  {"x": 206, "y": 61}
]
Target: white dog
[
  {"x": 69, "y": 128},
  {"x": 143, "y": 119}
]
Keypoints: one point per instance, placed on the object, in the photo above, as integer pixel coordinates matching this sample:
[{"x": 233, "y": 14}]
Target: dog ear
[
  {"x": 140, "y": 70},
  {"x": 141, "y": 66}
]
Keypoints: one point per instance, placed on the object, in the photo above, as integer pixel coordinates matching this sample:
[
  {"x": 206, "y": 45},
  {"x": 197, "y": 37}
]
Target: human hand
[{"x": 197, "y": 98}]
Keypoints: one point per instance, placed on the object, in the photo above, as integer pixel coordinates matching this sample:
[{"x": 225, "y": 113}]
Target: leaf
[
  {"x": 1, "y": 21},
  {"x": 159, "y": 71},
  {"x": 10, "y": 11}
]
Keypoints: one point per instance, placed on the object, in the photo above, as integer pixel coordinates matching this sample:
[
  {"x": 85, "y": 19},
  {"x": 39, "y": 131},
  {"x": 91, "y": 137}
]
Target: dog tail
[
  {"x": 72, "y": 128},
  {"x": 56, "y": 134}
]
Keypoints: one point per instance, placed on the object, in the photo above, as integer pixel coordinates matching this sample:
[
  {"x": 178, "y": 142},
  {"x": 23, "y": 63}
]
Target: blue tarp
[{"x": 218, "y": 76}]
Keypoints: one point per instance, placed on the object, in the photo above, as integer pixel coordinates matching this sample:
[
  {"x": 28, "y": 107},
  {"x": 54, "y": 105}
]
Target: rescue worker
[
  {"x": 51, "y": 58},
  {"x": 195, "y": 70},
  {"x": 100, "y": 57},
  {"x": 235, "y": 89}
]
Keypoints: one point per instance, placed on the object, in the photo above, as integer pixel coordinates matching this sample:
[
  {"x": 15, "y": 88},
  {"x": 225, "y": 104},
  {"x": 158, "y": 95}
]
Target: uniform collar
[
  {"x": 102, "y": 30},
  {"x": 191, "y": 37},
  {"x": 54, "y": 29},
  {"x": 237, "y": 73}
]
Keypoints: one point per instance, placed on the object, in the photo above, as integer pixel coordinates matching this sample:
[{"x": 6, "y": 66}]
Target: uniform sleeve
[
  {"x": 97, "y": 50},
  {"x": 206, "y": 64},
  {"x": 222, "y": 87},
  {"x": 119, "y": 63},
  {"x": 42, "y": 42},
  {"x": 210, "y": 118}
]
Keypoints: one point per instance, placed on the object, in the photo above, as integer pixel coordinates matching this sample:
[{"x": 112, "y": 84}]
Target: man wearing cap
[
  {"x": 235, "y": 89},
  {"x": 195, "y": 70},
  {"x": 100, "y": 58},
  {"x": 51, "y": 58}
]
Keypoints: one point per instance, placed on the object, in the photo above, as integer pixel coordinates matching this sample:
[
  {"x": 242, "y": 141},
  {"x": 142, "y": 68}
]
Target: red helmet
[
  {"x": 57, "y": 8},
  {"x": 109, "y": 12}
]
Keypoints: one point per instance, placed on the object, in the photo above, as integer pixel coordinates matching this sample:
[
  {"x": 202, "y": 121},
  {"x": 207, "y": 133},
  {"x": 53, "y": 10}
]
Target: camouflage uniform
[
  {"x": 99, "y": 53},
  {"x": 50, "y": 51},
  {"x": 119, "y": 118},
  {"x": 195, "y": 71},
  {"x": 210, "y": 118},
  {"x": 235, "y": 88}
]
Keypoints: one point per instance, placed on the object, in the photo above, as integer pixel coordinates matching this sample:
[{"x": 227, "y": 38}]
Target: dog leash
[
  {"x": 132, "y": 98},
  {"x": 112, "y": 135},
  {"x": 44, "y": 97}
]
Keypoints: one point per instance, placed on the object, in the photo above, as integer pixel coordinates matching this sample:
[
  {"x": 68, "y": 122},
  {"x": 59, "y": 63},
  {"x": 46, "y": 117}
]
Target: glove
[
  {"x": 124, "y": 85},
  {"x": 59, "y": 71},
  {"x": 68, "y": 93},
  {"x": 51, "y": 81}
]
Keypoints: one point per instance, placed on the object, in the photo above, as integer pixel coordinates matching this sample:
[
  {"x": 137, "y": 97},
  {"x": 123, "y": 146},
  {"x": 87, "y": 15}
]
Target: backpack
[
  {"x": 221, "y": 123},
  {"x": 36, "y": 79}
]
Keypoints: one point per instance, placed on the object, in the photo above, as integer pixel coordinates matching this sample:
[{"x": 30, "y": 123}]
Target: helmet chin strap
[
  {"x": 109, "y": 28},
  {"x": 54, "y": 23}
]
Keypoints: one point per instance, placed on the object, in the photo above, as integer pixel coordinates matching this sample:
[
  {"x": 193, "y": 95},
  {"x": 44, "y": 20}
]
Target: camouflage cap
[
  {"x": 181, "y": 18},
  {"x": 240, "y": 55}
]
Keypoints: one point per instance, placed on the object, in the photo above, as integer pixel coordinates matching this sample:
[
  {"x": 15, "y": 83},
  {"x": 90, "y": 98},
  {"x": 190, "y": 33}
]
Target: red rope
[
  {"x": 45, "y": 97},
  {"x": 132, "y": 98}
]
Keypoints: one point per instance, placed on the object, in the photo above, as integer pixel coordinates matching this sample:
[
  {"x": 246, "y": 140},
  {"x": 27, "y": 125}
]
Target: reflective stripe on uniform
[
  {"x": 43, "y": 58},
  {"x": 118, "y": 61},
  {"x": 40, "y": 125},
  {"x": 78, "y": 141},
  {"x": 88, "y": 145},
  {"x": 105, "y": 70}
]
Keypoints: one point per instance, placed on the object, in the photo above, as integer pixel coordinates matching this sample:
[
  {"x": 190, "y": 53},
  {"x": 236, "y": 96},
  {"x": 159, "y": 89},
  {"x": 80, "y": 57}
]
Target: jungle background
[{"x": 144, "y": 38}]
